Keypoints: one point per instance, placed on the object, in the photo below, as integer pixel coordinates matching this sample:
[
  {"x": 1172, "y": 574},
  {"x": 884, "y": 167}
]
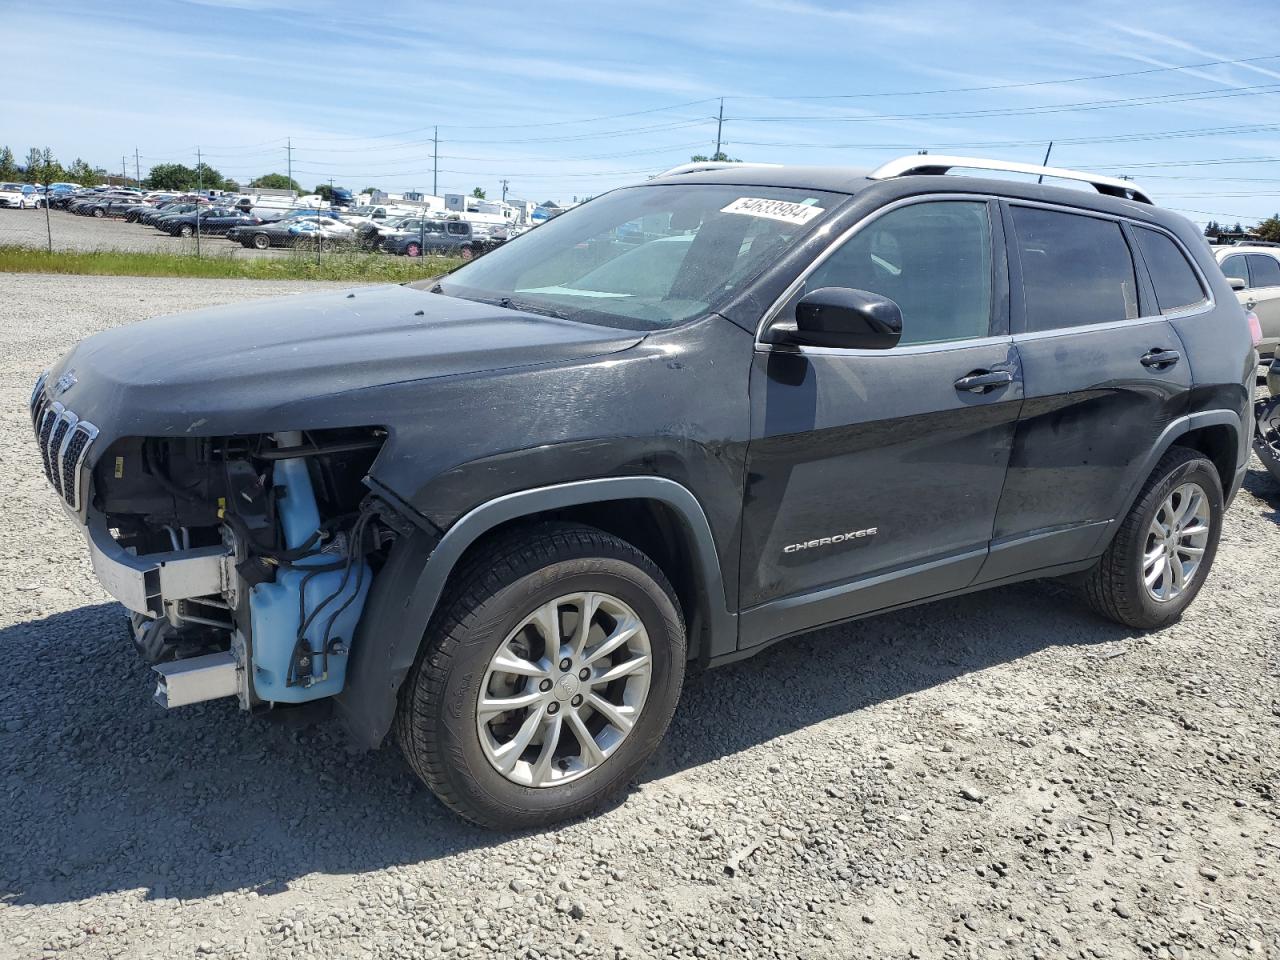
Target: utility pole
[
  {"x": 137, "y": 167},
  {"x": 435, "y": 161},
  {"x": 199, "y": 190},
  {"x": 719, "y": 125},
  {"x": 289, "y": 151},
  {"x": 124, "y": 173},
  {"x": 504, "y": 191},
  {"x": 1045, "y": 161},
  {"x": 48, "y": 226}
]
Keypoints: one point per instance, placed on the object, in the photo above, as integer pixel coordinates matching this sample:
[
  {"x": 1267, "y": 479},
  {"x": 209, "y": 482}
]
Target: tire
[
  {"x": 185, "y": 230},
  {"x": 412, "y": 250},
  {"x": 99, "y": 212},
  {"x": 260, "y": 241},
  {"x": 1115, "y": 587},
  {"x": 466, "y": 253},
  {"x": 438, "y": 721}
]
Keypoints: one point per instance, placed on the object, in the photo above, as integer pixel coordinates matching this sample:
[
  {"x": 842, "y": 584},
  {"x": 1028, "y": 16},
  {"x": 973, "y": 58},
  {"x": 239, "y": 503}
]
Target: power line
[
  {"x": 1013, "y": 86},
  {"x": 1262, "y": 89},
  {"x": 1239, "y": 130}
]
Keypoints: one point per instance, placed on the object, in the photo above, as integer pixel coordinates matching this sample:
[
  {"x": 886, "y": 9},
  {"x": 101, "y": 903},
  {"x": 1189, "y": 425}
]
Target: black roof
[{"x": 854, "y": 181}]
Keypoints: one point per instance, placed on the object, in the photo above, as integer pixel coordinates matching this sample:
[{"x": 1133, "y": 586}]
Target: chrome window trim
[
  {"x": 910, "y": 348},
  {"x": 772, "y": 313},
  {"x": 1088, "y": 328}
]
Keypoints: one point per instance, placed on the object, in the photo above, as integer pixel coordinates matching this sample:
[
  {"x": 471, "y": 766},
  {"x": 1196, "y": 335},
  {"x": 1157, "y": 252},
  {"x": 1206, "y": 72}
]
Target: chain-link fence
[{"x": 373, "y": 240}]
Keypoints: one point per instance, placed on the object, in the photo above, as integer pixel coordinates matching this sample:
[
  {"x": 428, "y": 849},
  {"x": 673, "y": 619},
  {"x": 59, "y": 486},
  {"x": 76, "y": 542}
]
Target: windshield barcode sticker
[{"x": 773, "y": 209}]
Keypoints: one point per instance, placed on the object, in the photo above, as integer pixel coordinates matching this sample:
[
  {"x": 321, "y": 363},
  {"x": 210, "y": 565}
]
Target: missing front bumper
[{"x": 147, "y": 584}]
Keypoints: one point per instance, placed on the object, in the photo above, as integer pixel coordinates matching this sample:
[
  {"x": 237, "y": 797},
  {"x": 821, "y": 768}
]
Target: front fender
[{"x": 408, "y": 589}]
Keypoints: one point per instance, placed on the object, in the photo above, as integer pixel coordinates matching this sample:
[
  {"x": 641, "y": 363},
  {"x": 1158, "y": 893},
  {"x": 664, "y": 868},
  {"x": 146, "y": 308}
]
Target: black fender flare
[
  {"x": 408, "y": 588},
  {"x": 1180, "y": 427}
]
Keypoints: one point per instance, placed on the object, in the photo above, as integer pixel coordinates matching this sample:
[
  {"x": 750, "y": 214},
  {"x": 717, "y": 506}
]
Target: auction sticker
[{"x": 773, "y": 209}]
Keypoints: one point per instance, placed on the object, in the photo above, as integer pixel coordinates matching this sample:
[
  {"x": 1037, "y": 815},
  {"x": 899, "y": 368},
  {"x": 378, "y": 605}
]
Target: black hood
[{"x": 243, "y": 368}]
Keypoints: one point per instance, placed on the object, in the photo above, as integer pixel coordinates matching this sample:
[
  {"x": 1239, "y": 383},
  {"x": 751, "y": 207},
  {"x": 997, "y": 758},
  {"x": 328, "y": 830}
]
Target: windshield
[{"x": 645, "y": 257}]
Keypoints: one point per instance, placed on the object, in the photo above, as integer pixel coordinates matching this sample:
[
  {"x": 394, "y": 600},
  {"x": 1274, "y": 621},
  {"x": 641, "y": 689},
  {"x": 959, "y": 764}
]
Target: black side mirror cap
[{"x": 843, "y": 318}]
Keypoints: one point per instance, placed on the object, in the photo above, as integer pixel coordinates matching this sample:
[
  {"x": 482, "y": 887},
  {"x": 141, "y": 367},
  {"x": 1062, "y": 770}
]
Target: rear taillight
[{"x": 1255, "y": 328}]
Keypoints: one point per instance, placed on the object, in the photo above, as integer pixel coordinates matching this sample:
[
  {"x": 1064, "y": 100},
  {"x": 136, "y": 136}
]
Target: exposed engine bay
[{"x": 299, "y": 539}]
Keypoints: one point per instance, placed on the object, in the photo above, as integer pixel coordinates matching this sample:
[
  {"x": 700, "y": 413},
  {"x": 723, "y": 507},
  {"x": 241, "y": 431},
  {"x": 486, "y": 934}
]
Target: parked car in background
[
  {"x": 214, "y": 221},
  {"x": 11, "y": 195},
  {"x": 296, "y": 231},
  {"x": 452, "y": 238},
  {"x": 1257, "y": 268},
  {"x": 174, "y": 208},
  {"x": 33, "y": 196}
]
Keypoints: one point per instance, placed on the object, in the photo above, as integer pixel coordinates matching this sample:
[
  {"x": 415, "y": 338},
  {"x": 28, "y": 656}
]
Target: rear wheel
[
  {"x": 547, "y": 678},
  {"x": 466, "y": 253},
  {"x": 1165, "y": 546},
  {"x": 412, "y": 250},
  {"x": 99, "y": 212}
]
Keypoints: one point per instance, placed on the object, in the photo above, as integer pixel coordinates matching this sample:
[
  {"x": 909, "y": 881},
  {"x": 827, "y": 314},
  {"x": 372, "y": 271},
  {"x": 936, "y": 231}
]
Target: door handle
[
  {"x": 984, "y": 381},
  {"x": 1250, "y": 303},
  {"x": 1160, "y": 359}
]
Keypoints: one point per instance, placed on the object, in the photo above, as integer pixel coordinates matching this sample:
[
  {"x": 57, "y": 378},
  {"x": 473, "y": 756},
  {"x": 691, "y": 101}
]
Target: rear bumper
[{"x": 147, "y": 583}]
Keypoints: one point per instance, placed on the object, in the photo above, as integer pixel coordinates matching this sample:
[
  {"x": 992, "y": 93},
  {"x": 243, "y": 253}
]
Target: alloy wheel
[
  {"x": 564, "y": 689},
  {"x": 1176, "y": 542}
]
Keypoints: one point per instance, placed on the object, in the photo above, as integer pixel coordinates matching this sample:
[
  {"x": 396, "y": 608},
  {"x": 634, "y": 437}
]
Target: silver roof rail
[
  {"x": 926, "y": 163},
  {"x": 704, "y": 165}
]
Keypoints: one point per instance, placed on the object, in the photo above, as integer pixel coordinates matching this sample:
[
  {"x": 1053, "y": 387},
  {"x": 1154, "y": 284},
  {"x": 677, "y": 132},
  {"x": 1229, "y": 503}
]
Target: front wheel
[
  {"x": 1165, "y": 546},
  {"x": 546, "y": 679},
  {"x": 99, "y": 212},
  {"x": 412, "y": 250},
  {"x": 185, "y": 230},
  {"x": 466, "y": 253},
  {"x": 260, "y": 241}
]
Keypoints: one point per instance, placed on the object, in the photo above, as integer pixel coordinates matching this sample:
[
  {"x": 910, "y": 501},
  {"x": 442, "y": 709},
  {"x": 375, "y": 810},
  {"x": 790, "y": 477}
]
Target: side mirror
[
  {"x": 1237, "y": 283},
  {"x": 843, "y": 318}
]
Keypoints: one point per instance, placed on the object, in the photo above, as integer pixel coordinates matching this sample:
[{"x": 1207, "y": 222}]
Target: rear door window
[
  {"x": 1265, "y": 270},
  {"x": 1176, "y": 284},
  {"x": 1076, "y": 269}
]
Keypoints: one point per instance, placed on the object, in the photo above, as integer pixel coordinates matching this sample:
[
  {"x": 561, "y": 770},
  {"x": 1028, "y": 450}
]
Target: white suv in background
[{"x": 1258, "y": 266}]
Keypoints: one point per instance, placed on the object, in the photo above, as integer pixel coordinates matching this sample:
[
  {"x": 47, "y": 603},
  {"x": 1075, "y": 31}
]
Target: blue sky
[{"x": 539, "y": 93}]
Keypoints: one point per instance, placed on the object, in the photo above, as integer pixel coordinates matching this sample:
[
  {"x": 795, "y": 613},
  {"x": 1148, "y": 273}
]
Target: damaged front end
[{"x": 244, "y": 561}]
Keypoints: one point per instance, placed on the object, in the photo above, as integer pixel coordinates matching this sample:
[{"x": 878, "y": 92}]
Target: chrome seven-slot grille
[{"x": 64, "y": 443}]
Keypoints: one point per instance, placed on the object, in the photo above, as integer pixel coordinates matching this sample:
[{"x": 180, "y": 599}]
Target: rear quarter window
[{"x": 1176, "y": 284}]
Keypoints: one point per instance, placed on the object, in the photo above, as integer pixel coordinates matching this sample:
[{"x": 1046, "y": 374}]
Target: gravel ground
[
  {"x": 1001, "y": 775},
  {"x": 71, "y": 232}
]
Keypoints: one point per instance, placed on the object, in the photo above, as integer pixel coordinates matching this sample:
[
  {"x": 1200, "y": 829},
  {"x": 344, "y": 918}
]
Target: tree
[
  {"x": 83, "y": 174},
  {"x": 325, "y": 191},
  {"x": 720, "y": 157},
  {"x": 41, "y": 167},
  {"x": 8, "y": 166},
  {"x": 371, "y": 190},
  {"x": 1237, "y": 228},
  {"x": 275, "y": 181},
  {"x": 478, "y": 193},
  {"x": 1211, "y": 229},
  {"x": 1269, "y": 229},
  {"x": 170, "y": 176},
  {"x": 231, "y": 186}
]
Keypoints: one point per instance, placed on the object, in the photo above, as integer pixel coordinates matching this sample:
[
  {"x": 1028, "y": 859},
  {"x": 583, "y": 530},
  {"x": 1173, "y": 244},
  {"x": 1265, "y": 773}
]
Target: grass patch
[{"x": 299, "y": 265}]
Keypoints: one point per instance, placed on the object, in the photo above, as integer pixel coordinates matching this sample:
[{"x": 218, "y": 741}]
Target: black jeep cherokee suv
[{"x": 499, "y": 513}]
